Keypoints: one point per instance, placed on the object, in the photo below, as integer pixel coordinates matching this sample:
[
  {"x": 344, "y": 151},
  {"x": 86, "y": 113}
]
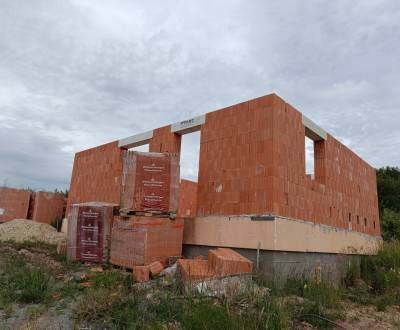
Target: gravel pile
[{"x": 20, "y": 230}]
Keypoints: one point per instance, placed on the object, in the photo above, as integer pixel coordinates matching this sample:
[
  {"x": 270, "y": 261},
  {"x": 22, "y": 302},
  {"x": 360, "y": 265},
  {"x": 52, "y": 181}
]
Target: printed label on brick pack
[
  {"x": 153, "y": 183},
  {"x": 89, "y": 235}
]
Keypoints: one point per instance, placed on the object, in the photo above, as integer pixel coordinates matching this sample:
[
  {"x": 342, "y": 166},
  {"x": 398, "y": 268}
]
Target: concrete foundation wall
[
  {"x": 278, "y": 266},
  {"x": 276, "y": 234}
]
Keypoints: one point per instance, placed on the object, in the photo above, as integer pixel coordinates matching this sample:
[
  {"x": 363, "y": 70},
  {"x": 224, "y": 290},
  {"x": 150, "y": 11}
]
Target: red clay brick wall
[
  {"x": 344, "y": 185},
  {"x": 14, "y": 204},
  {"x": 236, "y": 159},
  {"x": 164, "y": 140},
  {"x": 187, "y": 199},
  {"x": 96, "y": 175},
  {"x": 48, "y": 206},
  {"x": 252, "y": 161}
]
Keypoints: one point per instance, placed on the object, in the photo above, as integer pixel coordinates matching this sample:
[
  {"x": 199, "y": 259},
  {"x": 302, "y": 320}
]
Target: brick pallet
[
  {"x": 89, "y": 229},
  {"x": 150, "y": 183},
  {"x": 139, "y": 241}
]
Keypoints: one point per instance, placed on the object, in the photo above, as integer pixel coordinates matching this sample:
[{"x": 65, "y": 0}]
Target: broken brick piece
[
  {"x": 141, "y": 274},
  {"x": 226, "y": 261},
  {"x": 155, "y": 268},
  {"x": 193, "y": 270}
]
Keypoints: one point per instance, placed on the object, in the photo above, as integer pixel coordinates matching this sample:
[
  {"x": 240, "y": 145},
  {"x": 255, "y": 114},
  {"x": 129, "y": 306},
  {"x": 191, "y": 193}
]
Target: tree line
[{"x": 388, "y": 180}]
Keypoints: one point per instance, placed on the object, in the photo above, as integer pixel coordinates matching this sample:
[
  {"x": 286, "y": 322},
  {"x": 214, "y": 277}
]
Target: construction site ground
[{"x": 40, "y": 289}]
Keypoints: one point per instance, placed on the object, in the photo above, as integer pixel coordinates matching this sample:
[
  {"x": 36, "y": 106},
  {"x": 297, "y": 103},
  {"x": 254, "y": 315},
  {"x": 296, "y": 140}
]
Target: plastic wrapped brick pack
[
  {"x": 89, "y": 229},
  {"x": 139, "y": 241},
  {"x": 150, "y": 182}
]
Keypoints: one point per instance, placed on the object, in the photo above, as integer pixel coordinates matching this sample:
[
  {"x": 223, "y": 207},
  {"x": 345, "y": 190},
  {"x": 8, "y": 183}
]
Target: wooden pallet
[{"x": 156, "y": 214}]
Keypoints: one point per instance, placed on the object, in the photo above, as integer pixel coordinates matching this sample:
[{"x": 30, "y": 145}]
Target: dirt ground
[{"x": 59, "y": 314}]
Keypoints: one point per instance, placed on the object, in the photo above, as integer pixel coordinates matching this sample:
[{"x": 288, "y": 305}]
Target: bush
[{"x": 390, "y": 224}]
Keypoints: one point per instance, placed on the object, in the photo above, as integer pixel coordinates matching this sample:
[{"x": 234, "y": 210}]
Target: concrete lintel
[
  {"x": 313, "y": 131},
  {"x": 136, "y": 140},
  {"x": 189, "y": 125}
]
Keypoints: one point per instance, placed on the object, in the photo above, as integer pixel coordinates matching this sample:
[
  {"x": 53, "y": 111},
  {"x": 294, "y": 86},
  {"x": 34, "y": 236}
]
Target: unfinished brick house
[{"x": 253, "y": 192}]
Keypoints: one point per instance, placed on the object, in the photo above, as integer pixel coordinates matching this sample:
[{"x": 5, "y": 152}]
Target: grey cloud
[{"x": 75, "y": 74}]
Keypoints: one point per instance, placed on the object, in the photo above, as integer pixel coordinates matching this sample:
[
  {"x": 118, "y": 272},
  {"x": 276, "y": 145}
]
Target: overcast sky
[{"x": 76, "y": 74}]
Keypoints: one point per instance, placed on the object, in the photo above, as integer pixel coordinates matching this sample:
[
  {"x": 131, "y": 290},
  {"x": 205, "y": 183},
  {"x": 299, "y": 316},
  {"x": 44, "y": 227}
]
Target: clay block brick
[
  {"x": 96, "y": 175},
  {"x": 187, "y": 198},
  {"x": 264, "y": 138},
  {"x": 228, "y": 262},
  {"x": 89, "y": 229},
  {"x": 14, "y": 204},
  {"x": 164, "y": 140},
  {"x": 194, "y": 270},
  {"x": 155, "y": 268},
  {"x": 141, "y": 274},
  {"x": 143, "y": 240},
  {"x": 48, "y": 206},
  {"x": 150, "y": 181}
]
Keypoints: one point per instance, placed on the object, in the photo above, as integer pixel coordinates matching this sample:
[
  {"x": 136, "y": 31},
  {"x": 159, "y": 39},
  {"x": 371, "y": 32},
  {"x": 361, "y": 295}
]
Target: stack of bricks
[
  {"x": 48, "y": 206},
  {"x": 89, "y": 229},
  {"x": 141, "y": 184},
  {"x": 221, "y": 262},
  {"x": 150, "y": 189},
  {"x": 187, "y": 199},
  {"x": 139, "y": 241},
  {"x": 150, "y": 182},
  {"x": 14, "y": 204}
]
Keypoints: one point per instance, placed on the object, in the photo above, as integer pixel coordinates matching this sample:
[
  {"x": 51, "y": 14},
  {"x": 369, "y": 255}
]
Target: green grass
[
  {"x": 114, "y": 302},
  {"x": 320, "y": 300},
  {"x": 122, "y": 307},
  {"x": 31, "y": 245},
  {"x": 381, "y": 273},
  {"x": 24, "y": 283}
]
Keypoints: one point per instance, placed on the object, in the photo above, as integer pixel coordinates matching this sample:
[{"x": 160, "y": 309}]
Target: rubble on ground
[
  {"x": 21, "y": 230},
  {"x": 225, "y": 271}
]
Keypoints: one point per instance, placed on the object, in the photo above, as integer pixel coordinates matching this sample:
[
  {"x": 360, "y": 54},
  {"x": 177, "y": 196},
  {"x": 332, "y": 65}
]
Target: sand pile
[{"x": 20, "y": 230}]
